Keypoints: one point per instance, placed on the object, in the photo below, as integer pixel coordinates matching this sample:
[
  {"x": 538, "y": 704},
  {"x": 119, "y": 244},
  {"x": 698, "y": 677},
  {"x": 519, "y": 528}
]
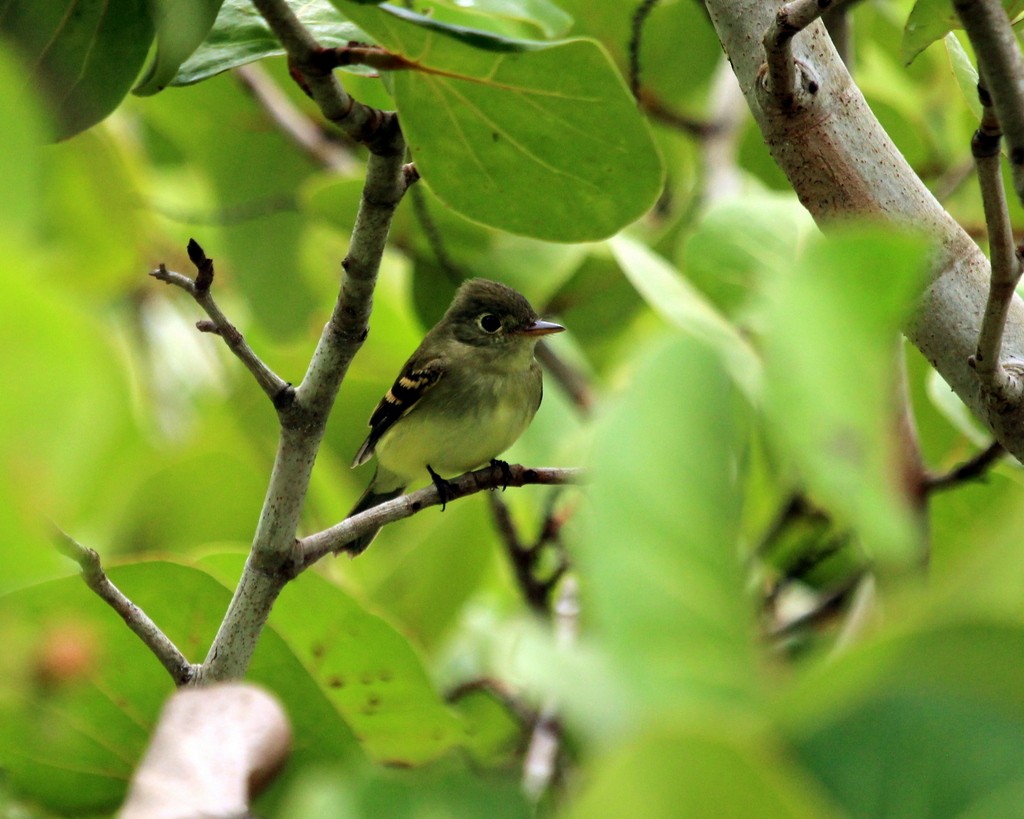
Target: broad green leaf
[
  {"x": 680, "y": 304},
  {"x": 507, "y": 132},
  {"x": 543, "y": 15},
  {"x": 82, "y": 694},
  {"x": 83, "y": 55},
  {"x": 831, "y": 378},
  {"x": 181, "y": 27},
  {"x": 240, "y": 35},
  {"x": 922, "y": 724},
  {"x": 964, "y": 71},
  {"x": 21, "y": 161},
  {"x": 656, "y": 548},
  {"x": 931, "y": 20},
  {"x": 707, "y": 770},
  {"x": 365, "y": 668}
]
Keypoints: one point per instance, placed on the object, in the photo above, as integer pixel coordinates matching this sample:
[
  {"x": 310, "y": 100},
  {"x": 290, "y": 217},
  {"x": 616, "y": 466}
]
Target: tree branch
[
  {"x": 842, "y": 164},
  {"x": 781, "y": 75},
  {"x": 180, "y": 669},
  {"x": 303, "y": 422},
  {"x": 334, "y": 539},
  {"x": 1001, "y": 64},
  {"x": 526, "y": 557},
  {"x": 277, "y": 389},
  {"x": 971, "y": 470},
  {"x": 1004, "y": 385},
  {"x": 541, "y": 763},
  {"x": 377, "y": 130}
]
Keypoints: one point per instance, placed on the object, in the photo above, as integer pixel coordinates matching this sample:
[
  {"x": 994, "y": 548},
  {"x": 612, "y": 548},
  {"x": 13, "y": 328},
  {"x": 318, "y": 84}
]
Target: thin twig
[
  {"x": 293, "y": 122},
  {"x": 277, "y": 389},
  {"x": 310, "y": 549},
  {"x": 986, "y": 361},
  {"x": 1002, "y": 66},
  {"x": 540, "y": 765},
  {"x": 526, "y": 557},
  {"x": 640, "y": 15},
  {"x": 180, "y": 669},
  {"x": 972, "y": 469}
]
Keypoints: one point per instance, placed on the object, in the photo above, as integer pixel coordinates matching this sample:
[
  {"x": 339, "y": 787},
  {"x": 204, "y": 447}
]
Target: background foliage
[{"x": 735, "y": 355}]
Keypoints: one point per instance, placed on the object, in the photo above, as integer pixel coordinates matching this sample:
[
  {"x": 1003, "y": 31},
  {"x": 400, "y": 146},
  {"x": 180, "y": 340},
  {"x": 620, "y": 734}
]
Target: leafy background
[{"x": 735, "y": 356}]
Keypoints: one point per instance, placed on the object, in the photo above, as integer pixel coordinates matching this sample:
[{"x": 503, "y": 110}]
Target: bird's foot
[
  {"x": 445, "y": 489},
  {"x": 506, "y": 471}
]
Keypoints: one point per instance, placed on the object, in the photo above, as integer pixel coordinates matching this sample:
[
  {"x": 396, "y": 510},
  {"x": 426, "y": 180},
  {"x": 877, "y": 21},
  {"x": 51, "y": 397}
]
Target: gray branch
[
  {"x": 276, "y": 388},
  {"x": 1004, "y": 385},
  {"x": 303, "y": 421},
  {"x": 842, "y": 164},
  {"x": 1001, "y": 64},
  {"x": 180, "y": 669},
  {"x": 333, "y": 540}
]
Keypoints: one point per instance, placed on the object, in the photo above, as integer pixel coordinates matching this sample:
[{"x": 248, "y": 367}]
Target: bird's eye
[{"x": 489, "y": 323}]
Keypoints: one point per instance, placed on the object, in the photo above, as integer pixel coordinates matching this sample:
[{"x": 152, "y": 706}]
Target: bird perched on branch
[{"x": 462, "y": 398}]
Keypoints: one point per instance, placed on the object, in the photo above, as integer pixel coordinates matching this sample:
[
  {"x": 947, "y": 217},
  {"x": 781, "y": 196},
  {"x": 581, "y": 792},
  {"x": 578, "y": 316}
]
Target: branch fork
[{"x": 786, "y": 80}]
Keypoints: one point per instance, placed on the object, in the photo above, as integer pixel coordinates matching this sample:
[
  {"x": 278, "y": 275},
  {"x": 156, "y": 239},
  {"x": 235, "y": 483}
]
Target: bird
[{"x": 464, "y": 396}]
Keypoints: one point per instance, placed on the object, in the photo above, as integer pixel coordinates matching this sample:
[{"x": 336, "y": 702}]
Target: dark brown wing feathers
[{"x": 408, "y": 388}]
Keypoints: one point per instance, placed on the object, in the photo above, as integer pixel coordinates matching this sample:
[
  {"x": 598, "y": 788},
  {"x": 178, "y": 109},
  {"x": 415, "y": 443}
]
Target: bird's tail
[{"x": 369, "y": 499}]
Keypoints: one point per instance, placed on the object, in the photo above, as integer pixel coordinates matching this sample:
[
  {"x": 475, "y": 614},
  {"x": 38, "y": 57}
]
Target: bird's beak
[{"x": 541, "y": 328}]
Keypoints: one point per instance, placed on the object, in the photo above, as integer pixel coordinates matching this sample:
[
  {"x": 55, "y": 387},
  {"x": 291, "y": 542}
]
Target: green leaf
[
  {"x": 240, "y": 35},
  {"x": 656, "y": 550},
  {"x": 181, "y": 27},
  {"x": 83, "y": 54},
  {"x": 964, "y": 71},
  {"x": 365, "y": 668},
  {"x": 544, "y": 15},
  {"x": 680, "y": 304},
  {"x": 831, "y": 378},
  {"x": 696, "y": 771},
  {"x": 508, "y": 131},
  {"x": 82, "y": 694},
  {"x": 737, "y": 240},
  {"x": 923, "y": 724},
  {"x": 931, "y": 20}
]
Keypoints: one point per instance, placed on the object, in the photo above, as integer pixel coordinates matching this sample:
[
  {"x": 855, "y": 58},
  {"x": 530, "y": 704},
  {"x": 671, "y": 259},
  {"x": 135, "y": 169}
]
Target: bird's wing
[{"x": 409, "y": 388}]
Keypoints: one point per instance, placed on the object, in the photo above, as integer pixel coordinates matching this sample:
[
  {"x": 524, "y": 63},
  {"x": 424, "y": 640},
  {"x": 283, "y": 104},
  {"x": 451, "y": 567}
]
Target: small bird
[{"x": 462, "y": 398}]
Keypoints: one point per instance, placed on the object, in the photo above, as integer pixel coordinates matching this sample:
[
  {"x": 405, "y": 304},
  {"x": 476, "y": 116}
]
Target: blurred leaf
[
  {"x": 84, "y": 55},
  {"x": 964, "y": 71},
  {"x": 680, "y": 304},
  {"x": 181, "y": 27},
  {"x": 387, "y": 794},
  {"x": 83, "y": 693},
  {"x": 657, "y": 552},
  {"x": 841, "y": 306},
  {"x": 931, "y": 20},
  {"x": 702, "y": 771},
  {"x": 21, "y": 132},
  {"x": 252, "y": 228},
  {"x": 737, "y": 240},
  {"x": 240, "y": 35},
  {"x": 917, "y": 725},
  {"x": 506, "y": 131},
  {"x": 365, "y": 668}
]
